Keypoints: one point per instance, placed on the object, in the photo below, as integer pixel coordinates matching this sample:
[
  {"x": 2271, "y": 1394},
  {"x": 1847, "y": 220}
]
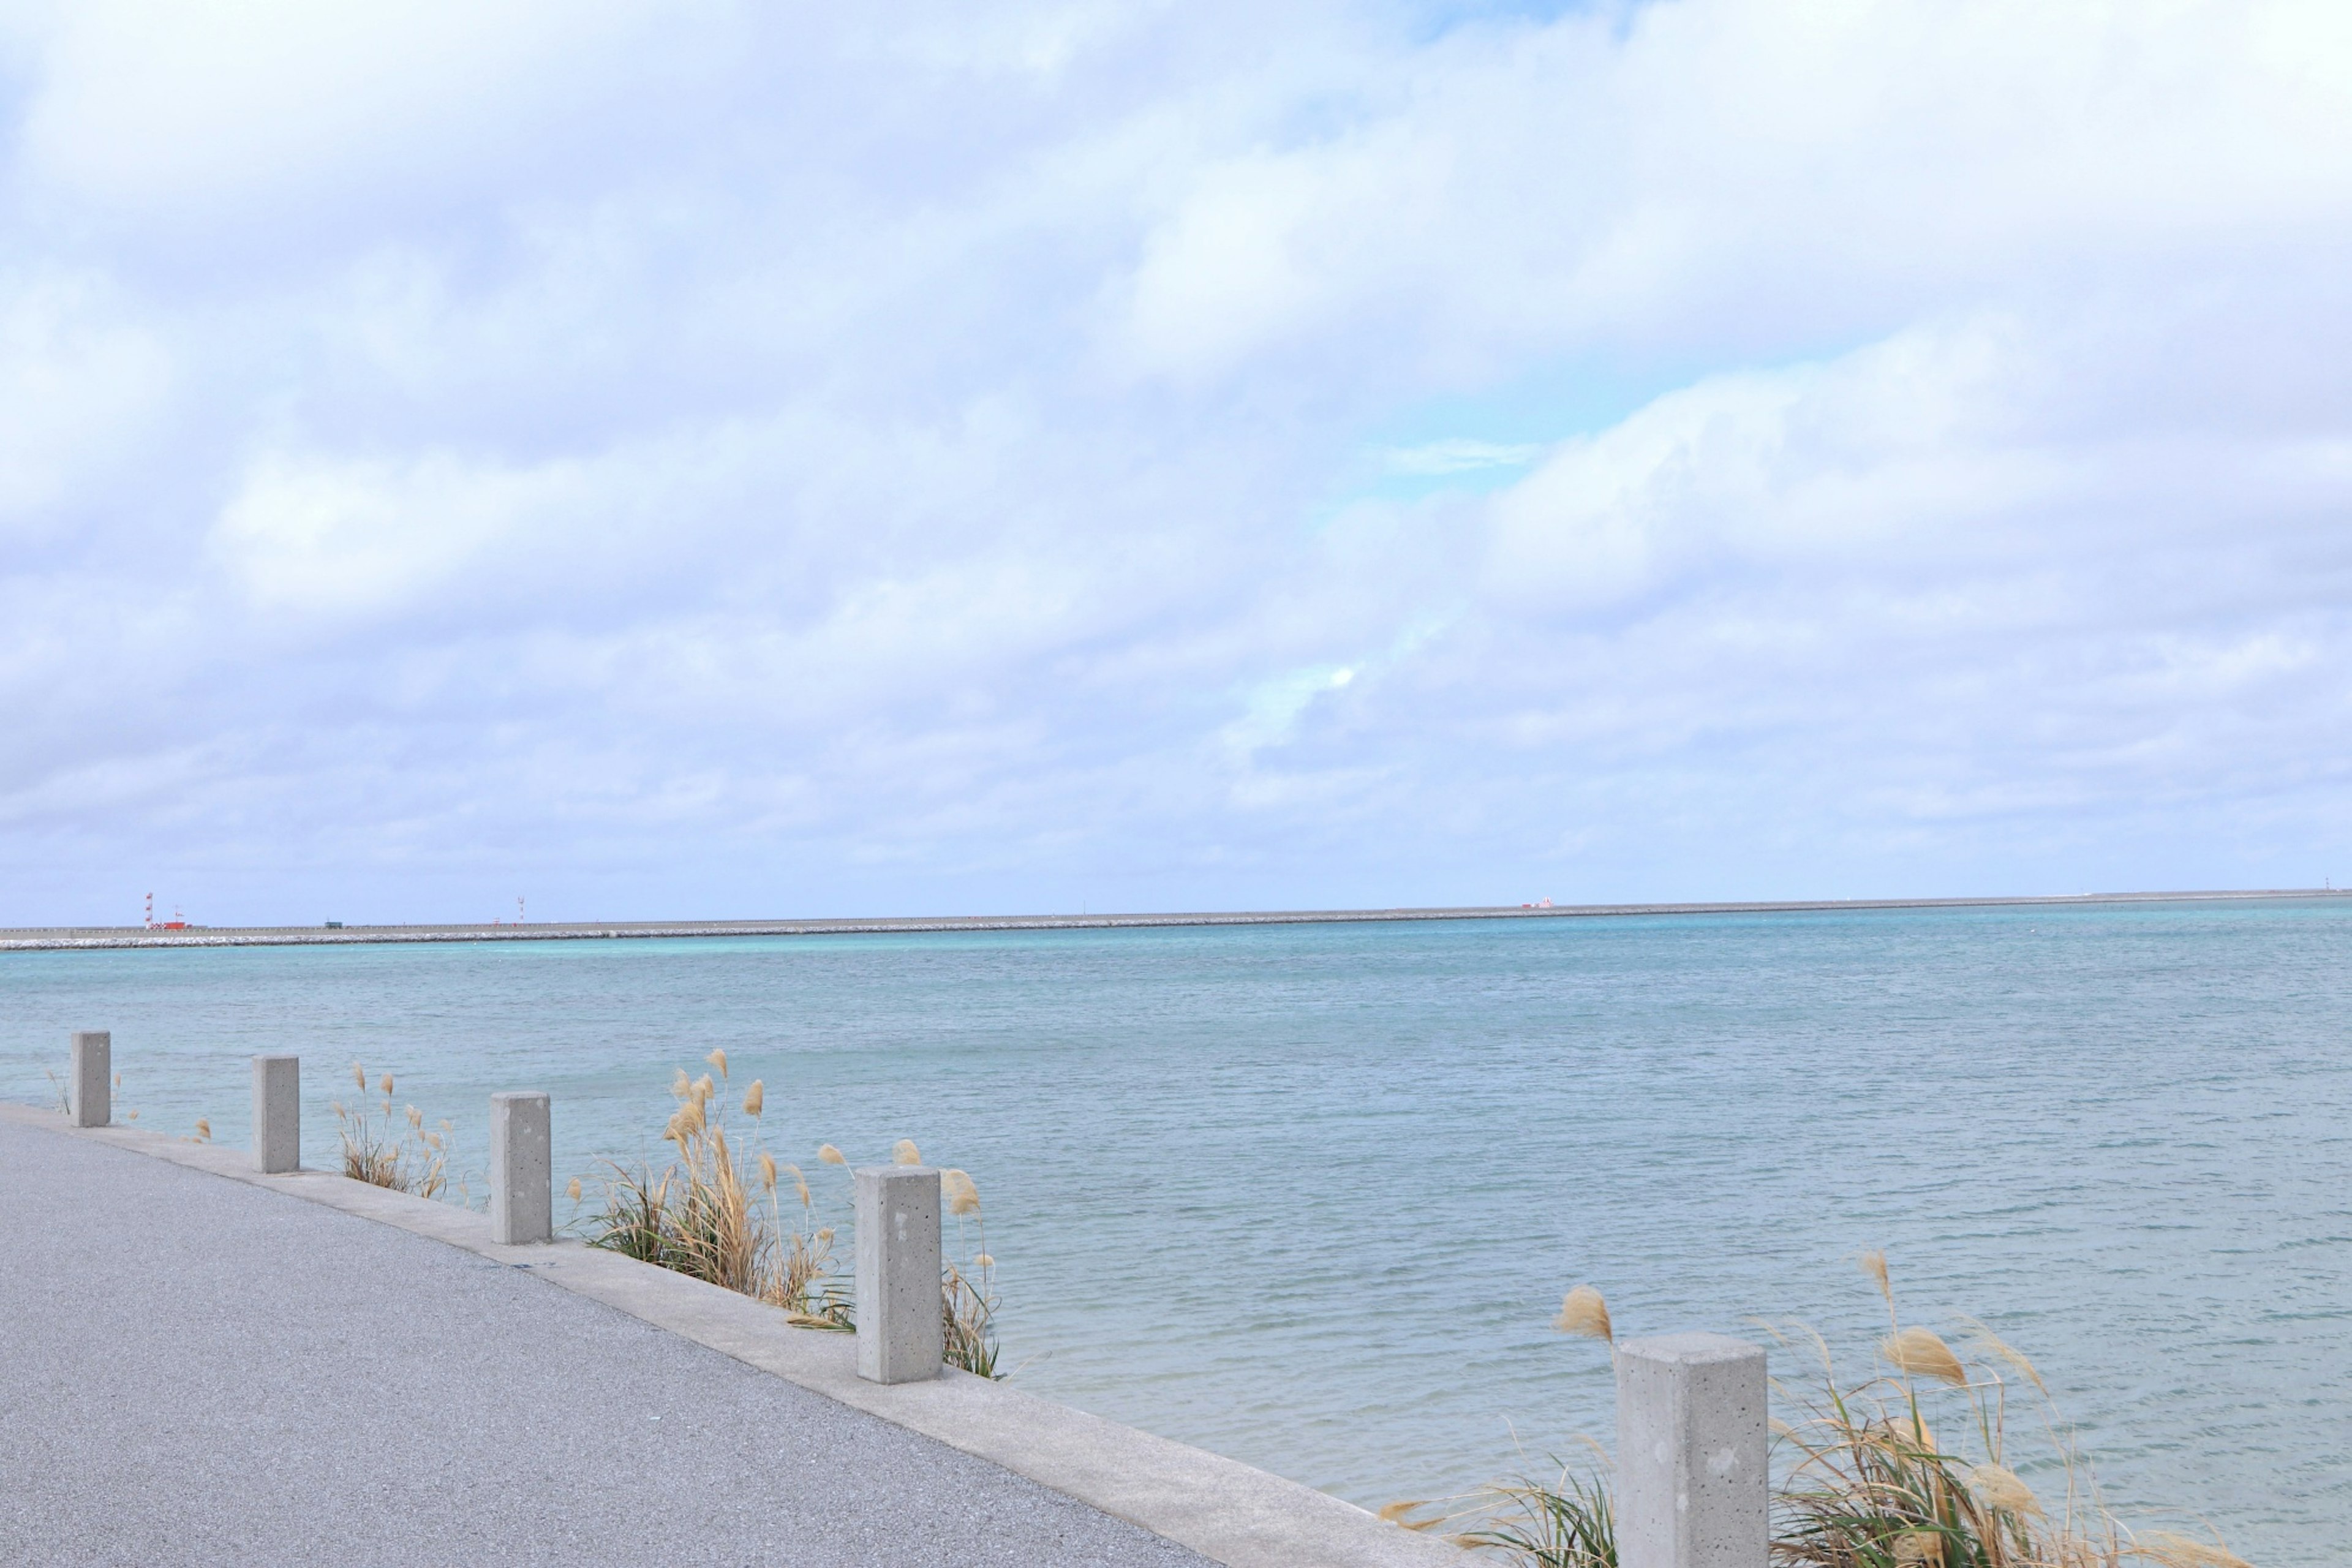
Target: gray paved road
[{"x": 195, "y": 1371}]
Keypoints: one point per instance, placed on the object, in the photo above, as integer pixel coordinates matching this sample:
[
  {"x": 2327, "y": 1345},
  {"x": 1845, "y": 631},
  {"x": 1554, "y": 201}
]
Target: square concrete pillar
[
  {"x": 522, "y": 1170},
  {"x": 900, "y": 1338},
  {"x": 91, "y": 1097},
  {"x": 278, "y": 1113},
  {"x": 1692, "y": 1445}
]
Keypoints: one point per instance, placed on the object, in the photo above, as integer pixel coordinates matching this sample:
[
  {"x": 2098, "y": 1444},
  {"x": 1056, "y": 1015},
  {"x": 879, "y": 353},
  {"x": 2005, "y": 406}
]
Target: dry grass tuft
[
  {"x": 1922, "y": 1353},
  {"x": 1861, "y": 1479},
  {"x": 719, "y": 1212},
  {"x": 1992, "y": 1344},
  {"x": 968, "y": 1290},
  {"x": 2180, "y": 1551},
  {"x": 1582, "y": 1312},
  {"x": 1571, "y": 1523},
  {"x": 397, "y": 1153},
  {"x": 1999, "y": 1487}
]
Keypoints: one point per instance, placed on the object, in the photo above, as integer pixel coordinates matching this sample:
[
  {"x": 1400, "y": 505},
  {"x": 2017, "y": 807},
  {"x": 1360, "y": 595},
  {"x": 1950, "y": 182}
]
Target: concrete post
[
  {"x": 278, "y": 1113},
  {"x": 899, "y": 1336},
  {"x": 91, "y": 1086},
  {"x": 522, "y": 1170},
  {"x": 1691, "y": 1453}
]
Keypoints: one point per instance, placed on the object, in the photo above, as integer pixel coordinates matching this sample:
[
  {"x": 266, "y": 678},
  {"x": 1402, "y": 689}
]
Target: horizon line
[{"x": 325, "y": 934}]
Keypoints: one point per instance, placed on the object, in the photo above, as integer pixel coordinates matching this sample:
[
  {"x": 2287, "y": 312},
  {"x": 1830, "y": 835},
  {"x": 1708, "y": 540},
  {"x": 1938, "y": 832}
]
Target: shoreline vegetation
[
  {"x": 398, "y": 1153},
  {"x": 717, "y": 1212},
  {"x": 1908, "y": 1467},
  {"x": 731, "y": 1214}
]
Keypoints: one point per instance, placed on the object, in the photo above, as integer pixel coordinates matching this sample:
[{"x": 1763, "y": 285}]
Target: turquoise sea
[{"x": 1309, "y": 1196}]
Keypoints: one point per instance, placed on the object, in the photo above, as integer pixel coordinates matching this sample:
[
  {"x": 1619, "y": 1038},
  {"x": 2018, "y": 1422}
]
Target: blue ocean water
[{"x": 1309, "y": 1196}]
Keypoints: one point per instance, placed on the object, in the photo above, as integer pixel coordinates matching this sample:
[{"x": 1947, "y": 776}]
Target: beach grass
[
  {"x": 386, "y": 1148},
  {"x": 725, "y": 1210},
  {"x": 1909, "y": 1465},
  {"x": 968, "y": 1305}
]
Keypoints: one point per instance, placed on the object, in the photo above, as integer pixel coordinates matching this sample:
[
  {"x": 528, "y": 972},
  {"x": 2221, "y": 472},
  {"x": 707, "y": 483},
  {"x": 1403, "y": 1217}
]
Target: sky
[{"x": 724, "y": 460}]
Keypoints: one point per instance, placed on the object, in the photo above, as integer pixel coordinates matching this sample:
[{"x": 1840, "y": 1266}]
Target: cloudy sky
[{"x": 731, "y": 459}]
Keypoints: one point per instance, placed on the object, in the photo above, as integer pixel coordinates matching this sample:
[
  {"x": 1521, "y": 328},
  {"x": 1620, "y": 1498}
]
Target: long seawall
[{"x": 22, "y": 938}]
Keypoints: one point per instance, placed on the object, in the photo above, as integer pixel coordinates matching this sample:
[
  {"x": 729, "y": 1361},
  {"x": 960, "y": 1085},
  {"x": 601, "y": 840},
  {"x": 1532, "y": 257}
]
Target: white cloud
[
  {"x": 337, "y": 539},
  {"x": 1458, "y": 456},
  {"x": 147, "y": 104},
  {"x": 78, "y": 386}
]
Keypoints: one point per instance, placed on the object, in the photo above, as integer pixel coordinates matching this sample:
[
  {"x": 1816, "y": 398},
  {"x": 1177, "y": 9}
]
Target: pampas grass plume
[
  {"x": 961, "y": 1196},
  {"x": 1919, "y": 1549},
  {"x": 1873, "y": 1263},
  {"x": 767, "y": 1172},
  {"x": 717, "y": 1059},
  {"x": 906, "y": 1154},
  {"x": 755, "y": 1099},
  {"x": 573, "y": 1190},
  {"x": 830, "y": 1155},
  {"x": 1993, "y": 1344},
  {"x": 1922, "y": 1353},
  {"x": 1582, "y": 1312},
  {"x": 2181, "y": 1552},
  {"x": 1999, "y": 1486}
]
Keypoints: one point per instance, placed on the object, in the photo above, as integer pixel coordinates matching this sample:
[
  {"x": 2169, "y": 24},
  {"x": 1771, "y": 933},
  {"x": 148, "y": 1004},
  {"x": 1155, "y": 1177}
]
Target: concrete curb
[{"x": 1223, "y": 1509}]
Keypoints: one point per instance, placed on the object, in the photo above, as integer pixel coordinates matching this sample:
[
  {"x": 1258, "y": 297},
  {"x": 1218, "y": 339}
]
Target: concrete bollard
[
  {"x": 1692, "y": 1448},
  {"x": 899, "y": 1336},
  {"x": 522, "y": 1170},
  {"x": 278, "y": 1113},
  {"x": 92, "y": 1098}
]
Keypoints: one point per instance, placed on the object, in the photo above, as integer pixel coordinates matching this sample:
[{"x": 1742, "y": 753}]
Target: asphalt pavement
[{"x": 198, "y": 1371}]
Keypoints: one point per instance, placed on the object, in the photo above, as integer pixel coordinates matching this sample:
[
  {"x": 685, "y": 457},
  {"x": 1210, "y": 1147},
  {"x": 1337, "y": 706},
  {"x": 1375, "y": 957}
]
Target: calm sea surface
[{"x": 1309, "y": 1196}]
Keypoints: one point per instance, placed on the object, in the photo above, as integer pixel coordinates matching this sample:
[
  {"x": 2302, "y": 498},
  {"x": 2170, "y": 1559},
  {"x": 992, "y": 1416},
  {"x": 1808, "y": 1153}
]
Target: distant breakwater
[{"x": 49, "y": 939}]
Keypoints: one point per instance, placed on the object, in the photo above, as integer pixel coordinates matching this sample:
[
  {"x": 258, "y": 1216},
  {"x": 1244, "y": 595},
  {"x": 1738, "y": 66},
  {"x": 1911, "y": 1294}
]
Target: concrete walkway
[{"x": 201, "y": 1370}]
